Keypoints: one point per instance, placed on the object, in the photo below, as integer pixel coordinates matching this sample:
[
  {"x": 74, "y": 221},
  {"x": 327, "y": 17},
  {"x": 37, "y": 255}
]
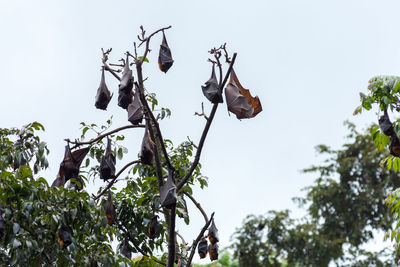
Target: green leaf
[
  {"x": 16, "y": 243},
  {"x": 16, "y": 228},
  {"x": 145, "y": 59}
]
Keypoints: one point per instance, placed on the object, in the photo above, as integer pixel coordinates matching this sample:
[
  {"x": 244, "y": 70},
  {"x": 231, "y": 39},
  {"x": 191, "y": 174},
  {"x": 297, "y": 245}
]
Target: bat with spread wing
[
  {"x": 109, "y": 208},
  {"x": 213, "y": 233},
  {"x": 69, "y": 167},
  {"x": 103, "y": 96},
  {"x": 165, "y": 60},
  {"x": 64, "y": 236},
  {"x": 168, "y": 193},
  {"x": 154, "y": 227},
  {"x": 211, "y": 89},
  {"x": 239, "y": 100},
  {"x": 135, "y": 109},
  {"x": 147, "y": 150},
  {"x": 107, "y": 163},
  {"x": 202, "y": 248}
]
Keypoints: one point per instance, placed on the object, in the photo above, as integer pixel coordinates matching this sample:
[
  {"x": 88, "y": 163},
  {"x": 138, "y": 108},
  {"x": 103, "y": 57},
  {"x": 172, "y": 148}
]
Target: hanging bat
[
  {"x": 147, "y": 150},
  {"x": 202, "y": 248},
  {"x": 394, "y": 145},
  {"x": 168, "y": 193},
  {"x": 239, "y": 100},
  {"x": 19, "y": 161},
  {"x": 135, "y": 109},
  {"x": 154, "y": 227},
  {"x": 126, "y": 250},
  {"x": 385, "y": 125},
  {"x": 64, "y": 236},
  {"x": 211, "y": 89},
  {"x": 165, "y": 60},
  {"x": 213, "y": 250},
  {"x": 126, "y": 83},
  {"x": 109, "y": 208},
  {"x": 213, "y": 233},
  {"x": 69, "y": 167},
  {"x": 107, "y": 164},
  {"x": 2, "y": 225},
  {"x": 124, "y": 99},
  {"x": 103, "y": 96}
]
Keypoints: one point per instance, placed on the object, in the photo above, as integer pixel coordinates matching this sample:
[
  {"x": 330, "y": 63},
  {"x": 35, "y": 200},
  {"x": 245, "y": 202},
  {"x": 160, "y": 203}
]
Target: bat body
[
  {"x": 147, "y": 149},
  {"x": 213, "y": 250},
  {"x": 211, "y": 89},
  {"x": 124, "y": 99},
  {"x": 385, "y": 124},
  {"x": 103, "y": 96},
  {"x": 107, "y": 164},
  {"x": 64, "y": 236},
  {"x": 126, "y": 251},
  {"x": 2, "y": 225},
  {"x": 394, "y": 145},
  {"x": 135, "y": 109},
  {"x": 213, "y": 233},
  {"x": 126, "y": 83},
  {"x": 69, "y": 167},
  {"x": 202, "y": 248},
  {"x": 154, "y": 227},
  {"x": 168, "y": 193},
  {"x": 239, "y": 100},
  {"x": 109, "y": 208},
  {"x": 165, "y": 60}
]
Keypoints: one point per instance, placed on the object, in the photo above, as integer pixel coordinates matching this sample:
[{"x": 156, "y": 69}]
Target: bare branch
[
  {"x": 114, "y": 179},
  {"x": 197, "y": 204},
  {"x": 202, "y": 114},
  {"x": 106, "y": 67},
  {"x": 192, "y": 143},
  {"x": 185, "y": 245},
  {"x": 205, "y": 131}
]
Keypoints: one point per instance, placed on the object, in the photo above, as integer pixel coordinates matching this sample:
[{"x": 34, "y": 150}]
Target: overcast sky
[{"x": 306, "y": 60}]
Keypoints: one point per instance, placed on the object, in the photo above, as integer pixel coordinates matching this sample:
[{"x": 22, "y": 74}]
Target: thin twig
[
  {"x": 185, "y": 245},
  {"x": 202, "y": 114},
  {"x": 205, "y": 131},
  {"x": 191, "y": 142},
  {"x": 105, "y": 58},
  {"x": 197, "y": 204},
  {"x": 114, "y": 179}
]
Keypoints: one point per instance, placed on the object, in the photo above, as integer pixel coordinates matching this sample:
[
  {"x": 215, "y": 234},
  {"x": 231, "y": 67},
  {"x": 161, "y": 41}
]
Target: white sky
[{"x": 306, "y": 60}]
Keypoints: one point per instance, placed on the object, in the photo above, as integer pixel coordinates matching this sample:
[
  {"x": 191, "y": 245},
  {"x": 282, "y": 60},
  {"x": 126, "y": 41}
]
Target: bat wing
[
  {"x": 107, "y": 163},
  {"x": 126, "y": 83},
  {"x": 385, "y": 124},
  {"x": 168, "y": 193},
  {"x": 135, "y": 110},
  {"x": 154, "y": 227},
  {"x": 165, "y": 60},
  {"x": 124, "y": 99},
  {"x": 211, "y": 89},
  {"x": 109, "y": 208},
  {"x": 213, "y": 233},
  {"x": 202, "y": 248},
  {"x": 103, "y": 96},
  {"x": 147, "y": 152}
]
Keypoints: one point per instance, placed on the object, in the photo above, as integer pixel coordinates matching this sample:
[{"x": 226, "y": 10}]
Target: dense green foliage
[{"x": 344, "y": 206}]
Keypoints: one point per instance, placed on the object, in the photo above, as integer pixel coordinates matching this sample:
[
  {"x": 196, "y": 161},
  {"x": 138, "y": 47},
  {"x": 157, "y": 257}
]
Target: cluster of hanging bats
[{"x": 239, "y": 101}]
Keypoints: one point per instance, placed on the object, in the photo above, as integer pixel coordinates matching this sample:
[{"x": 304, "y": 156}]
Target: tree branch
[
  {"x": 205, "y": 131},
  {"x": 199, "y": 237},
  {"x": 171, "y": 238},
  {"x": 115, "y": 179},
  {"x": 197, "y": 204},
  {"x": 101, "y": 136}
]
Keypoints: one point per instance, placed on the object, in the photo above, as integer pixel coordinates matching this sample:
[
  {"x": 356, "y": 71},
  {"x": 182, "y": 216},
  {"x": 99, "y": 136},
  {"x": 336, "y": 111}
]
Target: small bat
[
  {"x": 2, "y": 225},
  {"x": 239, "y": 100},
  {"x": 126, "y": 83},
  {"x": 126, "y": 250},
  {"x": 135, "y": 109},
  {"x": 213, "y": 250},
  {"x": 211, "y": 89},
  {"x": 394, "y": 145},
  {"x": 385, "y": 125},
  {"x": 168, "y": 193},
  {"x": 202, "y": 248},
  {"x": 154, "y": 227},
  {"x": 147, "y": 150},
  {"x": 69, "y": 167},
  {"x": 19, "y": 161},
  {"x": 165, "y": 60},
  {"x": 103, "y": 96},
  {"x": 64, "y": 236},
  {"x": 107, "y": 164},
  {"x": 213, "y": 233},
  {"x": 109, "y": 208},
  {"x": 124, "y": 99}
]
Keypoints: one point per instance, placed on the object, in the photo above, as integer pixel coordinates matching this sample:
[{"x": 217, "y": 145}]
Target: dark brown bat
[
  {"x": 154, "y": 228},
  {"x": 107, "y": 164},
  {"x": 109, "y": 208},
  {"x": 124, "y": 99},
  {"x": 147, "y": 150},
  {"x": 126, "y": 250},
  {"x": 385, "y": 124},
  {"x": 211, "y": 89},
  {"x": 103, "y": 96},
  {"x": 69, "y": 167},
  {"x": 165, "y": 60},
  {"x": 202, "y": 248},
  {"x": 126, "y": 83},
  {"x": 64, "y": 236},
  {"x": 239, "y": 100},
  {"x": 394, "y": 145},
  {"x": 168, "y": 193},
  {"x": 135, "y": 109},
  {"x": 213, "y": 250},
  {"x": 2, "y": 225},
  {"x": 213, "y": 233}
]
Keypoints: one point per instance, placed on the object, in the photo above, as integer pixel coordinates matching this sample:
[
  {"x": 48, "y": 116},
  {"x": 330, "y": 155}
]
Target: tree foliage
[{"x": 345, "y": 206}]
